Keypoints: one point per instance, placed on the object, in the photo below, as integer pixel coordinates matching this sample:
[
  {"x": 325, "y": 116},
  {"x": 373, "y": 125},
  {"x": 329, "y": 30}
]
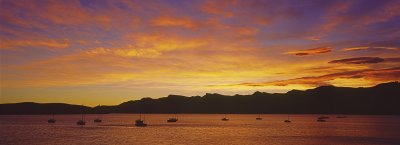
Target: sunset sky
[{"x": 94, "y": 52}]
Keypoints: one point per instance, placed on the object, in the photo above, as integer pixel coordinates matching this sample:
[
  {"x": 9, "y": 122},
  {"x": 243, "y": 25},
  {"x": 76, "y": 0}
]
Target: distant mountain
[
  {"x": 45, "y": 108},
  {"x": 382, "y": 99}
]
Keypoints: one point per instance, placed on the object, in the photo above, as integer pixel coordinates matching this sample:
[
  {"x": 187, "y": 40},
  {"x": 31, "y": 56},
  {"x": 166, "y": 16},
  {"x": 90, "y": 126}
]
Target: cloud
[
  {"x": 163, "y": 42},
  {"x": 387, "y": 12},
  {"x": 175, "y": 21},
  {"x": 47, "y": 43},
  {"x": 377, "y": 75},
  {"x": 346, "y": 17},
  {"x": 374, "y": 48},
  {"x": 397, "y": 59},
  {"x": 128, "y": 51},
  {"x": 219, "y": 7},
  {"x": 246, "y": 31},
  {"x": 358, "y": 60},
  {"x": 187, "y": 43},
  {"x": 334, "y": 16},
  {"x": 313, "y": 38},
  {"x": 57, "y": 12},
  {"x": 364, "y": 60},
  {"x": 312, "y": 51}
]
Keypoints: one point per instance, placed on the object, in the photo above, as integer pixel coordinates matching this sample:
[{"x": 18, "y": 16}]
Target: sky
[{"x": 107, "y": 52}]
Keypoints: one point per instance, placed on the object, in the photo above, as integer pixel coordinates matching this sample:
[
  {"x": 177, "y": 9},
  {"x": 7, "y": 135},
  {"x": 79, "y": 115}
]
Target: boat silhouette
[
  {"x": 97, "y": 120},
  {"x": 322, "y": 118},
  {"x": 51, "y": 120},
  {"x": 287, "y": 120},
  {"x": 259, "y": 117},
  {"x": 172, "y": 120},
  {"x": 139, "y": 122},
  {"x": 225, "y": 118},
  {"x": 81, "y": 121}
]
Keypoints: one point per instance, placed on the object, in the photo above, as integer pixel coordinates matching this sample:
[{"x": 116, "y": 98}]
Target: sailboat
[
  {"x": 322, "y": 118},
  {"x": 97, "y": 120},
  {"x": 259, "y": 117},
  {"x": 173, "y": 119},
  {"x": 225, "y": 119},
  {"x": 51, "y": 120},
  {"x": 139, "y": 122},
  {"x": 341, "y": 116},
  {"x": 287, "y": 120},
  {"x": 82, "y": 121}
]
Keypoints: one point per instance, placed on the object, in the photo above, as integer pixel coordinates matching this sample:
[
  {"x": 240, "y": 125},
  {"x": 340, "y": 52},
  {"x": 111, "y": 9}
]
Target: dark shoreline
[{"x": 382, "y": 99}]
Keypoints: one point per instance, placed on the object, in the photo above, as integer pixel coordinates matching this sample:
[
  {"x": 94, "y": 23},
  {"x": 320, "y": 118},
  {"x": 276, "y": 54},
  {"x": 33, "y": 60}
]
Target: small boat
[
  {"x": 82, "y": 121},
  {"x": 287, "y": 120},
  {"x": 139, "y": 122},
  {"x": 51, "y": 120},
  {"x": 97, "y": 120},
  {"x": 225, "y": 118},
  {"x": 172, "y": 120},
  {"x": 323, "y": 117},
  {"x": 259, "y": 117}
]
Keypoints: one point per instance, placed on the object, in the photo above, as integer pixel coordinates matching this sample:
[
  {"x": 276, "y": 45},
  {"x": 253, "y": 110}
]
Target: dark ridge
[
  {"x": 382, "y": 99},
  {"x": 44, "y": 108}
]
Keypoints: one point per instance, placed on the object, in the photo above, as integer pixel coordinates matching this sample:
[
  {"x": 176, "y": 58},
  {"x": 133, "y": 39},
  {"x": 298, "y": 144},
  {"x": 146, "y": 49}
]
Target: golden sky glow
[{"x": 106, "y": 52}]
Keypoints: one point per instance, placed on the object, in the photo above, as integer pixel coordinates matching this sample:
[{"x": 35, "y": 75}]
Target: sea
[{"x": 203, "y": 129}]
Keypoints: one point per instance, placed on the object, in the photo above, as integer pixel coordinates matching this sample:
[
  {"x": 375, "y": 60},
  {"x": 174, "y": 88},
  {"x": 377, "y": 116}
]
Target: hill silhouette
[{"x": 382, "y": 99}]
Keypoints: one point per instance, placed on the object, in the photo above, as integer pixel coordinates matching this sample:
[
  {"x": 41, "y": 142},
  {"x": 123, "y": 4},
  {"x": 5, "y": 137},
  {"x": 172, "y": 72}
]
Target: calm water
[{"x": 200, "y": 129}]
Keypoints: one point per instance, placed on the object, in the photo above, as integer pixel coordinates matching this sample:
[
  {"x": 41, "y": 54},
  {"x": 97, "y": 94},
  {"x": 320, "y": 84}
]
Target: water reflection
[{"x": 200, "y": 129}]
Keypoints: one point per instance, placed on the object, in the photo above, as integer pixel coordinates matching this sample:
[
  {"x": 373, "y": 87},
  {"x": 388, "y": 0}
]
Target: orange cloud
[
  {"x": 39, "y": 14},
  {"x": 219, "y": 7},
  {"x": 313, "y": 38},
  {"x": 358, "y": 60},
  {"x": 174, "y": 21},
  {"x": 69, "y": 13},
  {"x": 162, "y": 42},
  {"x": 312, "y": 51},
  {"x": 128, "y": 51},
  {"x": 369, "y": 48},
  {"x": 246, "y": 31},
  {"x": 48, "y": 43},
  {"x": 376, "y": 75},
  {"x": 365, "y": 60},
  {"x": 334, "y": 16},
  {"x": 387, "y": 12}
]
